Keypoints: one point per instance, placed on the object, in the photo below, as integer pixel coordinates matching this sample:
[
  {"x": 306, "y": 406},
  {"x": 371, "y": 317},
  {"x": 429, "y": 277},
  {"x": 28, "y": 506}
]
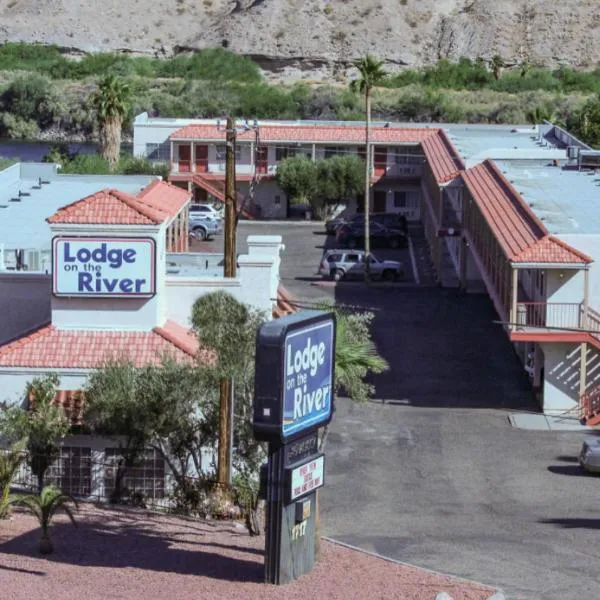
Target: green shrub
[
  {"x": 94, "y": 164},
  {"x": 12, "y": 126},
  {"x": 31, "y": 98}
]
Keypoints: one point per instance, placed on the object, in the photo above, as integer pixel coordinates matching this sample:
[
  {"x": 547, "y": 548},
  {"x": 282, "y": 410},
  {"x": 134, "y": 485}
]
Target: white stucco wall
[
  {"x": 561, "y": 377},
  {"x": 589, "y": 244},
  {"x": 127, "y": 314}
]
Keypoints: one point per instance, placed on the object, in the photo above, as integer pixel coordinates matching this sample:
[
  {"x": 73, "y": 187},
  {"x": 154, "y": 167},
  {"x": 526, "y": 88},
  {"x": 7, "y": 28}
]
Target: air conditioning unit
[
  {"x": 573, "y": 152},
  {"x": 589, "y": 158}
]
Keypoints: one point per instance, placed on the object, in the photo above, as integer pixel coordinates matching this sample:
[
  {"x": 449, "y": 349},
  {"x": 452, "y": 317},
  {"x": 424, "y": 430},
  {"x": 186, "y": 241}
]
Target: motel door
[
  {"x": 379, "y": 201},
  {"x": 201, "y": 158},
  {"x": 185, "y": 157},
  {"x": 380, "y": 160},
  {"x": 262, "y": 153}
]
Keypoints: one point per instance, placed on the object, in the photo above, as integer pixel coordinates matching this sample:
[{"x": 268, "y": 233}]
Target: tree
[
  {"x": 541, "y": 113},
  {"x": 116, "y": 405},
  {"x": 586, "y": 123},
  {"x": 10, "y": 461},
  {"x": 229, "y": 328},
  {"x": 341, "y": 179},
  {"x": 44, "y": 507},
  {"x": 45, "y": 425},
  {"x": 496, "y": 64},
  {"x": 297, "y": 177},
  {"x": 111, "y": 103},
  {"x": 371, "y": 74}
]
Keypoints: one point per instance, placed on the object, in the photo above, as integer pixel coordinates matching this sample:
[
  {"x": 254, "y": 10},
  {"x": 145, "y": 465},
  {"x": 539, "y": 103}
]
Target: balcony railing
[
  {"x": 589, "y": 404},
  {"x": 557, "y": 315}
]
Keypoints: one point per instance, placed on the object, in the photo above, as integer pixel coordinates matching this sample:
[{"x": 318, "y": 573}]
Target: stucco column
[
  {"x": 583, "y": 369},
  {"x": 251, "y": 154},
  {"x": 193, "y": 158},
  {"x": 514, "y": 297},
  {"x": 313, "y": 153}
]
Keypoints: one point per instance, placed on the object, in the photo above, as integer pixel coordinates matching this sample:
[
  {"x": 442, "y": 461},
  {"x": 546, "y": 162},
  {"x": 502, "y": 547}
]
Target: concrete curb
[
  {"x": 373, "y": 284},
  {"x": 497, "y": 595}
]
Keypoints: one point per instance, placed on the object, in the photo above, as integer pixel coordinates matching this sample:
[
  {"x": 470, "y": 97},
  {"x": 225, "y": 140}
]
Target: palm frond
[{"x": 30, "y": 502}]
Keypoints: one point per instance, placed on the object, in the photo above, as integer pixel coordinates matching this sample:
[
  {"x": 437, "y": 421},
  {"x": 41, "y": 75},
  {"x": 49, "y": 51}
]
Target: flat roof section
[
  {"x": 23, "y": 222},
  {"x": 477, "y": 143},
  {"x": 565, "y": 199}
]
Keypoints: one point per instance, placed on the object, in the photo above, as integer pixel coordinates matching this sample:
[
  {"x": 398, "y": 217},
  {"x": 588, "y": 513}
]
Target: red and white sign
[{"x": 307, "y": 477}]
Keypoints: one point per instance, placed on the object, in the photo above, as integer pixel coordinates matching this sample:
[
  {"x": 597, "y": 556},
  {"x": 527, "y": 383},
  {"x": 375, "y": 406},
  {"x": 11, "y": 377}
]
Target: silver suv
[{"x": 341, "y": 264}]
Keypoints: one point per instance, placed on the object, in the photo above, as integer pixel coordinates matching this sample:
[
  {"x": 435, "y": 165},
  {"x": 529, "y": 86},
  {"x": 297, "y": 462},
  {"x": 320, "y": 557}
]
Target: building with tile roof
[
  {"x": 118, "y": 284},
  {"x": 509, "y": 210}
]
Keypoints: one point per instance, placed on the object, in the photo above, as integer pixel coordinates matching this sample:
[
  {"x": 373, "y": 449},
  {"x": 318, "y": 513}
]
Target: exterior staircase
[{"x": 589, "y": 407}]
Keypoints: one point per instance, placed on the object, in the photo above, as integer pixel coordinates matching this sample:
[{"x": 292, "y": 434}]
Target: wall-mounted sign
[
  {"x": 104, "y": 267},
  {"x": 295, "y": 359},
  {"x": 305, "y": 478}
]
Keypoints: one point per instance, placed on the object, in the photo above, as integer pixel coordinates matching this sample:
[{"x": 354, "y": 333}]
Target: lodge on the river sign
[
  {"x": 294, "y": 375},
  {"x": 104, "y": 267}
]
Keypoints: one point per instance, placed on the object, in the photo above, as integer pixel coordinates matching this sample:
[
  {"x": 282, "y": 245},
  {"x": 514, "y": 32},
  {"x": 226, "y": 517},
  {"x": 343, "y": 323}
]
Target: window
[
  {"x": 72, "y": 471},
  {"x": 332, "y": 151},
  {"x": 148, "y": 478},
  {"x": 334, "y": 258},
  {"x": 408, "y": 155},
  {"x": 222, "y": 152},
  {"x": 354, "y": 258},
  {"x": 281, "y": 153},
  {"x": 400, "y": 199},
  {"x": 158, "y": 152}
]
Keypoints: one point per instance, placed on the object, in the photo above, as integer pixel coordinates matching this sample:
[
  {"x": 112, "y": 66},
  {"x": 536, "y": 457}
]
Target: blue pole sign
[{"x": 295, "y": 361}]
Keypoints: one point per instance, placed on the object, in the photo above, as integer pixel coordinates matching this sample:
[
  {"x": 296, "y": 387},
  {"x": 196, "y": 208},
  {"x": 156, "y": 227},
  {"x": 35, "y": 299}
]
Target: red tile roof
[
  {"x": 285, "y": 304},
  {"x": 156, "y": 203},
  {"x": 307, "y": 133},
  {"x": 443, "y": 158},
  {"x": 522, "y": 236},
  {"x": 53, "y": 348}
]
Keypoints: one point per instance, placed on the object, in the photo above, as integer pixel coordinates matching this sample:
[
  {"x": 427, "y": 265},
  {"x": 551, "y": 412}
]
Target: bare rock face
[{"x": 318, "y": 38}]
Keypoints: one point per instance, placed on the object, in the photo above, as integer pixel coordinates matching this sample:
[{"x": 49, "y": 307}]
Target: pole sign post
[{"x": 295, "y": 361}]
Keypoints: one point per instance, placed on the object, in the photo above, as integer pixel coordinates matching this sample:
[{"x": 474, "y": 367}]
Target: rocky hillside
[{"x": 317, "y": 38}]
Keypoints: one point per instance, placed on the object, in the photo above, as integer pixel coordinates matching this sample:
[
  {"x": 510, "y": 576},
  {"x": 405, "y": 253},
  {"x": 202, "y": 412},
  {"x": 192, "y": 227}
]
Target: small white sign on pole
[
  {"x": 307, "y": 477},
  {"x": 104, "y": 267}
]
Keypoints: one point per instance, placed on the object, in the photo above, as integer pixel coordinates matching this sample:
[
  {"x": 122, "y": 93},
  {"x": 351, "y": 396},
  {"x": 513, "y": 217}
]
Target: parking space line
[{"x": 413, "y": 261}]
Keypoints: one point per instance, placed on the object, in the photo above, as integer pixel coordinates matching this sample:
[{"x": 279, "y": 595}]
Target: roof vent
[
  {"x": 23, "y": 194},
  {"x": 589, "y": 158}
]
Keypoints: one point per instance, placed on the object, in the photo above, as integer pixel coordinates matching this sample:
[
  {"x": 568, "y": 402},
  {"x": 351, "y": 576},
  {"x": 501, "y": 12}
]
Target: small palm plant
[
  {"x": 10, "y": 461},
  {"x": 44, "y": 507}
]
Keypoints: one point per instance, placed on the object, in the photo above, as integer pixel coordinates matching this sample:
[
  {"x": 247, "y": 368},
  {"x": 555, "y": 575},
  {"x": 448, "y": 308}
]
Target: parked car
[
  {"x": 203, "y": 228},
  {"x": 345, "y": 264},
  {"x": 208, "y": 211},
  {"x": 353, "y": 236},
  {"x": 589, "y": 457},
  {"x": 393, "y": 220}
]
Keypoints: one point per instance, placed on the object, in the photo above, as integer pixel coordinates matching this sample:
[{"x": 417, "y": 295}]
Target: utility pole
[{"x": 229, "y": 270}]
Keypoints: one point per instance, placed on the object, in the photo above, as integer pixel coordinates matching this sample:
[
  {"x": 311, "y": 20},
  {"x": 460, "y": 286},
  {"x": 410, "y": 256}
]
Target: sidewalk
[{"x": 540, "y": 422}]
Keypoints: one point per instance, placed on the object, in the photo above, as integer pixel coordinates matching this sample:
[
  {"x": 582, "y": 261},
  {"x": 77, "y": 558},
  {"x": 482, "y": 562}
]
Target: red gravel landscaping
[{"x": 133, "y": 554}]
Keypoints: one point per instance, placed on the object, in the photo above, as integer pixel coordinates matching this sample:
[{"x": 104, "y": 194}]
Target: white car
[
  {"x": 205, "y": 211},
  {"x": 341, "y": 263}
]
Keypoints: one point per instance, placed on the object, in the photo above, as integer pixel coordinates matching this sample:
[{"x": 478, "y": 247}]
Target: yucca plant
[
  {"x": 44, "y": 507},
  {"x": 10, "y": 461}
]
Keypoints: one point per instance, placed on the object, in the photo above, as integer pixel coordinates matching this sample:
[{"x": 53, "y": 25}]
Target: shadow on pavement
[
  {"x": 573, "y": 523},
  {"x": 443, "y": 348},
  {"x": 569, "y": 459},
  {"x": 571, "y": 470}
]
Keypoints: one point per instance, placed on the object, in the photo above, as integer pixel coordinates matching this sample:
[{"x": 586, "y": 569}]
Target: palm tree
[
  {"x": 371, "y": 74},
  {"x": 44, "y": 507},
  {"x": 111, "y": 102},
  {"x": 497, "y": 64},
  {"x": 10, "y": 461}
]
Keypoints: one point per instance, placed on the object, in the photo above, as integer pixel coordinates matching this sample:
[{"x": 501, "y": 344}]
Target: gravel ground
[{"x": 133, "y": 554}]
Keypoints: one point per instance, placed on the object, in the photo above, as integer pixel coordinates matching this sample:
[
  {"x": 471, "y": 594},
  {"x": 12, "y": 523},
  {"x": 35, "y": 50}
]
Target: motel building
[
  {"x": 90, "y": 272},
  {"x": 509, "y": 211}
]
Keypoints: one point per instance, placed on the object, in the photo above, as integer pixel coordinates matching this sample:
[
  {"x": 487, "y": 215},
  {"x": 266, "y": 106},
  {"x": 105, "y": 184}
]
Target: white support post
[{"x": 514, "y": 297}]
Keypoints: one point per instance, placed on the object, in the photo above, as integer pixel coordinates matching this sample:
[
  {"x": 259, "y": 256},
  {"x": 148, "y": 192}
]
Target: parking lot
[{"x": 431, "y": 472}]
